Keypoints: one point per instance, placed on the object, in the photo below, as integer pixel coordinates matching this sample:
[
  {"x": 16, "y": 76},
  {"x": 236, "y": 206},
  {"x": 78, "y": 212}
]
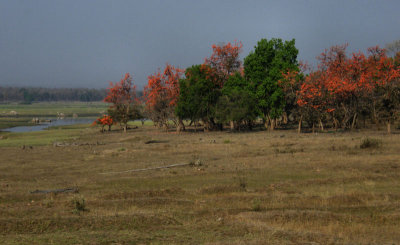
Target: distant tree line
[{"x": 29, "y": 95}]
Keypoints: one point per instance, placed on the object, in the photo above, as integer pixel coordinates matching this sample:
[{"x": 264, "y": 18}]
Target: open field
[
  {"x": 252, "y": 188},
  {"x": 50, "y": 109}
]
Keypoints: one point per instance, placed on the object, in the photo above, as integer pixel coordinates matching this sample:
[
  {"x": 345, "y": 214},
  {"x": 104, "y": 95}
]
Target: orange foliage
[
  {"x": 123, "y": 92},
  {"x": 223, "y": 62},
  {"x": 163, "y": 86},
  {"x": 340, "y": 77},
  {"x": 122, "y": 95},
  {"x": 104, "y": 120}
]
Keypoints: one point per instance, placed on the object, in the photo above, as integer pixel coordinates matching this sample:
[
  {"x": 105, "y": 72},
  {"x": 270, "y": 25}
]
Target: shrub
[
  {"x": 370, "y": 143},
  {"x": 79, "y": 205},
  {"x": 256, "y": 205}
]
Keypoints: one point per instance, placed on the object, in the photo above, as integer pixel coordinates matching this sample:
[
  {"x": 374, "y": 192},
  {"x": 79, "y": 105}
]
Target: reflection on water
[{"x": 54, "y": 122}]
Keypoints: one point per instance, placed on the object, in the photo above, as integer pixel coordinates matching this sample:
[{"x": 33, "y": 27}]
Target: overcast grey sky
[{"x": 87, "y": 43}]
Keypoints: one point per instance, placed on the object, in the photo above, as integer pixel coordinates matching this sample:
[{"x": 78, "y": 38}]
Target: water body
[{"x": 54, "y": 122}]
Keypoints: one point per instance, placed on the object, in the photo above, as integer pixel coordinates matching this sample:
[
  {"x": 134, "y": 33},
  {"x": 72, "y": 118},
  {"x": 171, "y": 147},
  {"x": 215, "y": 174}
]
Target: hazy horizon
[{"x": 88, "y": 43}]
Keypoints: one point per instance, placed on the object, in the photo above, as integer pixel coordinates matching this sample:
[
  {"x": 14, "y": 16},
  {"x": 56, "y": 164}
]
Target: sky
[{"x": 88, "y": 43}]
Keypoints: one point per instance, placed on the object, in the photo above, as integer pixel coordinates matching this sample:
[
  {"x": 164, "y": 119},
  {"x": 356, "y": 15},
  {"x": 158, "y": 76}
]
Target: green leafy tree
[
  {"x": 198, "y": 97},
  {"x": 263, "y": 68},
  {"x": 237, "y": 105}
]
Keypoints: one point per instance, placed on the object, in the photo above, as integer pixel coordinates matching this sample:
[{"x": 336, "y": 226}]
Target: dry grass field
[{"x": 251, "y": 188}]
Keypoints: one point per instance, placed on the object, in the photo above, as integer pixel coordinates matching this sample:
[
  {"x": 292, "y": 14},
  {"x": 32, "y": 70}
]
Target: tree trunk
[
  {"x": 273, "y": 123},
  {"x": 266, "y": 122},
  {"x": 313, "y": 127},
  {"x": 388, "y": 128},
  {"x": 299, "y": 128},
  {"x": 206, "y": 126},
  {"x": 354, "y": 120},
  {"x": 375, "y": 117},
  {"x": 165, "y": 126},
  {"x": 232, "y": 125},
  {"x": 335, "y": 123},
  {"x": 180, "y": 127},
  {"x": 321, "y": 125},
  {"x": 285, "y": 118},
  {"x": 250, "y": 125},
  {"x": 125, "y": 127}
]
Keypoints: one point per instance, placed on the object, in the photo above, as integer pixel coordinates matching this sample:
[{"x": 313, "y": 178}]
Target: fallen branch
[
  {"x": 73, "y": 190},
  {"x": 155, "y": 141},
  {"x": 154, "y": 168}
]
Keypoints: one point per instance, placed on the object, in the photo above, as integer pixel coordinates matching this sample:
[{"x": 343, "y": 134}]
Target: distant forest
[{"x": 29, "y": 95}]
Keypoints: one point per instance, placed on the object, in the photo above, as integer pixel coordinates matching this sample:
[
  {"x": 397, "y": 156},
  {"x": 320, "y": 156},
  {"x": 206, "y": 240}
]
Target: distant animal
[{"x": 60, "y": 115}]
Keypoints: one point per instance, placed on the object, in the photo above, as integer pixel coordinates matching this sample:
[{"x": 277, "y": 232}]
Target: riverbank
[
  {"x": 9, "y": 122},
  {"x": 14, "y": 114},
  {"x": 48, "y": 123}
]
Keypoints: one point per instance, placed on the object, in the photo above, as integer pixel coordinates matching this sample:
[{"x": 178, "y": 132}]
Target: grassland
[
  {"x": 50, "y": 109},
  {"x": 252, "y": 188}
]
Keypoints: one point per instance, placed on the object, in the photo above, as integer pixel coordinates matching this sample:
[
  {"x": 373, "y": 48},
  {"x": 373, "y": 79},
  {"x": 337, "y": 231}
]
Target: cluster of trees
[
  {"x": 345, "y": 91},
  {"x": 29, "y": 95},
  {"x": 223, "y": 91}
]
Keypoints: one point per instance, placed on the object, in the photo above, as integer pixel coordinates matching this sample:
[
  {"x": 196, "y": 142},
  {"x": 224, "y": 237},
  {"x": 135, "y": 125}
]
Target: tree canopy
[{"x": 263, "y": 68}]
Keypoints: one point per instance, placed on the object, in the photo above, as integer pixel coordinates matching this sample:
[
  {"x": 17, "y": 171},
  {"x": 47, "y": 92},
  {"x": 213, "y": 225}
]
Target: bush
[
  {"x": 256, "y": 205},
  {"x": 79, "y": 205},
  {"x": 370, "y": 143}
]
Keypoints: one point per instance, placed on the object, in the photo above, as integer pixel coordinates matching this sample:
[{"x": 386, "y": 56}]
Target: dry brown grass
[{"x": 253, "y": 188}]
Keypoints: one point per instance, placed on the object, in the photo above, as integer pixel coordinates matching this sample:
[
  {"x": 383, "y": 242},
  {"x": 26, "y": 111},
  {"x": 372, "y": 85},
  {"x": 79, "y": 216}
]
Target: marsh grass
[{"x": 8, "y": 122}]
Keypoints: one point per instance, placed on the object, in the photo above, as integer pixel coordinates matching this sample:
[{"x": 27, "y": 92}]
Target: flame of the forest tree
[
  {"x": 104, "y": 120},
  {"x": 163, "y": 86},
  {"x": 340, "y": 77},
  {"x": 223, "y": 62},
  {"x": 123, "y": 92}
]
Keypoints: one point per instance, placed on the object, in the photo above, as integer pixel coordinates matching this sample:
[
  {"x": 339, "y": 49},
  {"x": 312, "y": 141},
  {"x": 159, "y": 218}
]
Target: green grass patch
[
  {"x": 8, "y": 122},
  {"x": 45, "y": 137},
  {"x": 50, "y": 109}
]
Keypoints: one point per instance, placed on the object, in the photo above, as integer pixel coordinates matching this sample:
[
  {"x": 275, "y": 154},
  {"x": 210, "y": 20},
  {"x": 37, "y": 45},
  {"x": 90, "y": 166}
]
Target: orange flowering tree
[
  {"x": 222, "y": 65},
  {"x": 385, "y": 72},
  {"x": 104, "y": 121},
  {"x": 223, "y": 62},
  {"x": 355, "y": 83},
  {"x": 345, "y": 88},
  {"x": 161, "y": 95},
  {"x": 124, "y": 104}
]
